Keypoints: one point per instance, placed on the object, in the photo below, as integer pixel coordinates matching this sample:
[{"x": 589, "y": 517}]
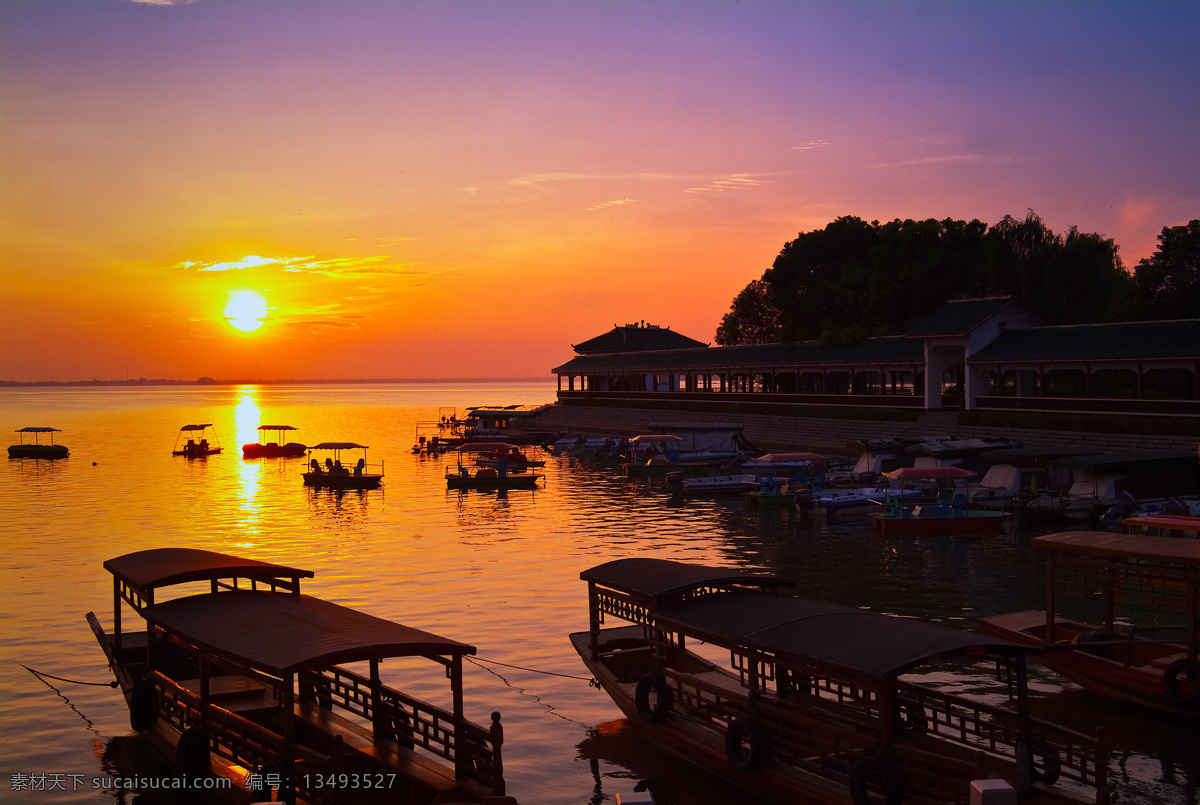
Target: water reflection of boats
[
  {"x": 37, "y": 449},
  {"x": 1136, "y": 584},
  {"x": 197, "y": 444},
  {"x": 335, "y": 476},
  {"x": 822, "y": 703},
  {"x": 276, "y": 449},
  {"x": 249, "y": 680},
  {"x": 472, "y": 475}
]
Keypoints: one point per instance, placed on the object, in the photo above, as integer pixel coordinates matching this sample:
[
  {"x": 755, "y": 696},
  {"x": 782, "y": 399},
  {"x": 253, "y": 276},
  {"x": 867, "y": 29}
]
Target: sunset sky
[{"x": 466, "y": 188}]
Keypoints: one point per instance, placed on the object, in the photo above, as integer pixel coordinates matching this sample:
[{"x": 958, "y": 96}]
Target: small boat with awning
[
  {"x": 274, "y": 449},
  {"x": 950, "y": 513},
  {"x": 285, "y": 695},
  {"x": 36, "y": 449},
  {"x": 812, "y": 702},
  {"x": 197, "y": 444},
  {"x": 1133, "y": 628},
  {"x": 332, "y": 474},
  {"x": 493, "y": 472}
]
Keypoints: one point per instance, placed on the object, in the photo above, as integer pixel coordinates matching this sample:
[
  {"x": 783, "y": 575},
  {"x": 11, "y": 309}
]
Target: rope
[
  {"x": 591, "y": 681},
  {"x": 44, "y": 677}
]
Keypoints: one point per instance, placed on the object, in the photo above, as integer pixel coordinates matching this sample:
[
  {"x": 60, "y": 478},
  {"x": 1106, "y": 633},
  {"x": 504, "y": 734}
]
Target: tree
[
  {"x": 854, "y": 279},
  {"x": 752, "y": 319},
  {"x": 1169, "y": 280}
]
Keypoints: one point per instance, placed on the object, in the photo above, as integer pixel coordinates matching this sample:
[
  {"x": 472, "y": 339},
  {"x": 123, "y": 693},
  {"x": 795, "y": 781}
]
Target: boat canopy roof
[
  {"x": 195, "y": 427},
  {"x": 276, "y": 427},
  {"x": 38, "y": 430},
  {"x": 475, "y": 446},
  {"x": 769, "y": 457},
  {"x": 338, "y": 446},
  {"x": 1023, "y": 455},
  {"x": 1179, "y": 522},
  {"x": 1117, "y": 462},
  {"x": 858, "y": 640},
  {"x": 282, "y": 633},
  {"x": 652, "y": 580},
  {"x": 929, "y": 472},
  {"x": 163, "y": 567},
  {"x": 1123, "y": 546}
]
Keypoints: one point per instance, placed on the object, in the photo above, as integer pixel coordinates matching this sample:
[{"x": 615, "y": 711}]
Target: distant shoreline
[{"x": 208, "y": 381}]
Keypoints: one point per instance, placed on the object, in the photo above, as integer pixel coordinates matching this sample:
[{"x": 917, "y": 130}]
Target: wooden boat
[
  {"x": 951, "y": 513},
  {"x": 197, "y": 445},
  {"x": 1135, "y": 586},
  {"x": 276, "y": 449},
  {"x": 37, "y": 449},
  {"x": 332, "y": 475},
  {"x": 473, "y": 475},
  {"x": 247, "y": 680},
  {"x": 820, "y": 703}
]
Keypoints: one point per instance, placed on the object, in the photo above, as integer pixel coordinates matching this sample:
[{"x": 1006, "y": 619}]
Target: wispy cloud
[
  {"x": 614, "y": 203},
  {"x": 811, "y": 145},
  {"x": 741, "y": 181},
  {"x": 342, "y": 267}
]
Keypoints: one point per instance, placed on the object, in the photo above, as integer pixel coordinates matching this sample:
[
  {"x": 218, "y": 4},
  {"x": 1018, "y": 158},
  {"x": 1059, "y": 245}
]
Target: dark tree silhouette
[{"x": 855, "y": 279}]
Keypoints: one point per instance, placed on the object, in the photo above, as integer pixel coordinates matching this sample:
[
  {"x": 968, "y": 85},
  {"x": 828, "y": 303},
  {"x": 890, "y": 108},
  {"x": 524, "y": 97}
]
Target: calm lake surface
[{"x": 499, "y": 571}]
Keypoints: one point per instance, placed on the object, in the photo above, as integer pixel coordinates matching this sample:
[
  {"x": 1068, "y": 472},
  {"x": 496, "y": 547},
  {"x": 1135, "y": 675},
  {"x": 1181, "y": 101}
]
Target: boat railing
[
  {"x": 948, "y": 740},
  {"x": 246, "y": 743},
  {"x": 1056, "y": 750},
  {"x": 1156, "y": 585},
  {"x": 474, "y": 750}
]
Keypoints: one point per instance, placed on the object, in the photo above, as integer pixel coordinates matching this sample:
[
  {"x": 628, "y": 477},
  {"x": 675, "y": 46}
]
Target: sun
[{"x": 245, "y": 310}]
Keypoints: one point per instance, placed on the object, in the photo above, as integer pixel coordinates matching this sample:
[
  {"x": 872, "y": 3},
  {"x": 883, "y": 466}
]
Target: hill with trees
[{"x": 853, "y": 279}]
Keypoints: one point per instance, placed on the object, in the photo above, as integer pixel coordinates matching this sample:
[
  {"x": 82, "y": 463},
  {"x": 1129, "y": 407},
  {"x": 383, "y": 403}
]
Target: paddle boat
[
  {"x": 804, "y": 701},
  {"x": 333, "y": 475},
  {"x": 950, "y": 514},
  {"x": 715, "y": 484},
  {"x": 37, "y": 449},
  {"x": 276, "y": 449},
  {"x": 242, "y": 677},
  {"x": 468, "y": 474},
  {"x": 862, "y": 500},
  {"x": 783, "y": 463},
  {"x": 516, "y": 460},
  {"x": 197, "y": 445},
  {"x": 1140, "y": 641}
]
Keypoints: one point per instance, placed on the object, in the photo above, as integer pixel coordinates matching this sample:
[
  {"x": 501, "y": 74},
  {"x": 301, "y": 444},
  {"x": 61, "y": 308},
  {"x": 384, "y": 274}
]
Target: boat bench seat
[{"x": 233, "y": 691}]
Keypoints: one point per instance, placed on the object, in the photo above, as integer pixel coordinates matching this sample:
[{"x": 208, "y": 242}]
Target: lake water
[{"x": 499, "y": 571}]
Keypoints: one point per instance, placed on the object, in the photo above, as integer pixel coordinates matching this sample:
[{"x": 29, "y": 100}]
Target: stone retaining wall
[{"x": 828, "y": 435}]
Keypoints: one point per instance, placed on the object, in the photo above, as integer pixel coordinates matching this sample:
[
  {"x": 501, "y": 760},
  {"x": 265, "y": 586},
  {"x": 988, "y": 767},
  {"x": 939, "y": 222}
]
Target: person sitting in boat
[
  {"x": 204, "y": 444},
  {"x": 316, "y": 467},
  {"x": 359, "y": 467},
  {"x": 329, "y": 466},
  {"x": 338, "y": 469}
]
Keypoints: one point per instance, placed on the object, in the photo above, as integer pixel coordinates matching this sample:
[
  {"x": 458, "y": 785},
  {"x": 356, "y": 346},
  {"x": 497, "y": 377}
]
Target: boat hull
[
  {"x": 273, "y": 450},
  {"x": 197, "y": 453},
  {"x": 521, "y": 481},
  {"x": 1101, "y": 670},
  {"x": 50, "y": 451},
  {"x": 328, "y": 481}
]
